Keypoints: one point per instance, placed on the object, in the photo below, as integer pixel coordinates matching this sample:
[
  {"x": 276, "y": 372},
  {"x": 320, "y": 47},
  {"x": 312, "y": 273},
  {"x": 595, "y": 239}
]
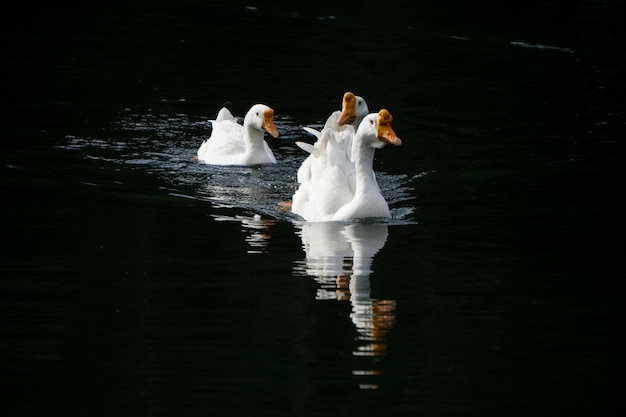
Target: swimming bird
[
  {"x": 364, "y": 199},
  {"x": 233, "y": 144},
  {"x": 353, "y": 110},
  {"x": 327, "y": 175}
]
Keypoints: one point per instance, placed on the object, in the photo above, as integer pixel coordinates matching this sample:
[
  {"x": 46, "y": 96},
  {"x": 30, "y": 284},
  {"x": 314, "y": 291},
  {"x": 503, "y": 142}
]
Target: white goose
[
  {"x": 353, "y": 110},
  {"x": 233, "y": 144},
  {"x": 327, "y": 175},
  {"x": 366, "y": 200}
]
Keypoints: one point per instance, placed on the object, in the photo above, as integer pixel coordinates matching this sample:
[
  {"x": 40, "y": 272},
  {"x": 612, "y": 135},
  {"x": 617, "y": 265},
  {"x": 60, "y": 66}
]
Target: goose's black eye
[
  {"x": 360, "y": 103},
  {"x": 371, "y": 122},
  {"x": 257, "y": 113}
]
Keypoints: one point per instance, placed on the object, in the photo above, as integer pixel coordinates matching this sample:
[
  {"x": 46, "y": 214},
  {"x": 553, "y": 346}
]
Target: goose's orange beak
[
  {"x": 348, "y": 110},
  {"x": 384, "y": 132},
  {"x": 268, "y": 123}
]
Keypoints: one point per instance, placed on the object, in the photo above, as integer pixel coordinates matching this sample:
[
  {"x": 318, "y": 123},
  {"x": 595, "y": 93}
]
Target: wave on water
[{"x": 542, "y": 46}]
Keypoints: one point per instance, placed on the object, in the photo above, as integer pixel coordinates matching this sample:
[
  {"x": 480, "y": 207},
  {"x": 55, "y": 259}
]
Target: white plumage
[
  {"x": 335, "y": 186},
  {"x": 233, "y": 144},
  {"x": 327, "y": 175}
]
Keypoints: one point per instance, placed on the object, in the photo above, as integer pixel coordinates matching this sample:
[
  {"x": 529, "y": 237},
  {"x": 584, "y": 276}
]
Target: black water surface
[{"x": 136, "y": 281}]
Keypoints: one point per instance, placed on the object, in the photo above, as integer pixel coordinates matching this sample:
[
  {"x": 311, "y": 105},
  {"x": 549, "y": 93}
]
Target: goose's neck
[
  {"x": 363, "y": 161},
  {"x": 253, "y": 138},
  {"x": 357, "y": 122}
]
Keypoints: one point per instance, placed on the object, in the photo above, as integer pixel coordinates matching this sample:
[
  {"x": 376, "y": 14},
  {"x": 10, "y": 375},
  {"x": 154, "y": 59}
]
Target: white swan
[
  {"x": 233, "y": 144},
  {"x": 366, "y": 200},
  {"x": 327, "y": 175}
]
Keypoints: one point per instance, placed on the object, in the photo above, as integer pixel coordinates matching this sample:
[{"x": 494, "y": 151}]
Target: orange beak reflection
[
  {"x": 348, "y": 110},
  {"x": 384, "y": 132},
  {"x": 268, "y": 123}
]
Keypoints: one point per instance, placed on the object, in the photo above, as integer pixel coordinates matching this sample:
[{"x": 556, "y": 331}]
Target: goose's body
[
  {"x": 327, "y": 175},
  {"x": 330, "y": 196},
  {"x": 233, "y": 144}
]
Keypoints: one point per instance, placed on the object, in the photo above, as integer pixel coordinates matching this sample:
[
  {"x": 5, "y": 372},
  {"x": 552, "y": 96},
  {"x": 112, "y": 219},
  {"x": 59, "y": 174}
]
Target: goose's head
[
  {"x": 376, "y": 128},
  {"x": 353, "y": 110},
  {"x": 261, "y": 117}
]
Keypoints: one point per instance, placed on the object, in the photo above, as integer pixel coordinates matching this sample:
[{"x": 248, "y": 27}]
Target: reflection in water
[
  {"x": 255, "y": 228},
  {"x": 339, "y": 257}
]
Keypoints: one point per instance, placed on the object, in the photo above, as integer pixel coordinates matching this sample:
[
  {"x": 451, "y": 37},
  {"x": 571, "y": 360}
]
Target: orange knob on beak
[
  {"x": 268, "y": 123},
  {"x": 348, "y": 110},
  {"x": 384, "y": 132}
]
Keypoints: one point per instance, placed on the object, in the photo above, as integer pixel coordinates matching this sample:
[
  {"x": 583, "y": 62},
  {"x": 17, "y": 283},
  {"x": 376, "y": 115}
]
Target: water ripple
[{"x": 166, "y": 144}]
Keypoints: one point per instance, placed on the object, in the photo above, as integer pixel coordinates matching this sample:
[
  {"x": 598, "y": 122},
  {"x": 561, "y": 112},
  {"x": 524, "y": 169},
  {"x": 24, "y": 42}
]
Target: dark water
[{"x": 136, "y": 281}]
